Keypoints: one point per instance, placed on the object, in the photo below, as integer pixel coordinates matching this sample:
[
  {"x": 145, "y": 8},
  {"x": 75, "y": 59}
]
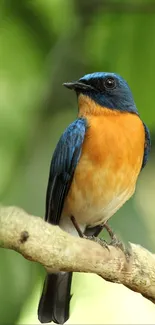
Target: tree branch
[{"x": 56, "y": 250}]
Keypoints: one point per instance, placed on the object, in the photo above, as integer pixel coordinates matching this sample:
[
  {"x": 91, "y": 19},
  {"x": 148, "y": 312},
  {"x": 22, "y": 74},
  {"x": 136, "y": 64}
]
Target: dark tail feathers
[{"x": 54, "y": 302}]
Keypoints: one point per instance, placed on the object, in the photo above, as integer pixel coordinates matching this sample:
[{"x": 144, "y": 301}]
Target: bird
[{"x": 93, "y": 171}]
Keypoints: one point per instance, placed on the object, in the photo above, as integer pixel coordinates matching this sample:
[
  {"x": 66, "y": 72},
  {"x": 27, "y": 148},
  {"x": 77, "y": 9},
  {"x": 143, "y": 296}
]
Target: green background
[{"x": 42, "y": 45}]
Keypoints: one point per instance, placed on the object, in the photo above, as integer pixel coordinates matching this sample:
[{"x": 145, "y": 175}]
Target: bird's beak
[{"x": 77, "y": 86}]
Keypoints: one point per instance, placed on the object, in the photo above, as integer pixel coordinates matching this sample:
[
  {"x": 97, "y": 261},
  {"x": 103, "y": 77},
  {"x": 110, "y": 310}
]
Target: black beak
[{"x": 77, "y": 86}]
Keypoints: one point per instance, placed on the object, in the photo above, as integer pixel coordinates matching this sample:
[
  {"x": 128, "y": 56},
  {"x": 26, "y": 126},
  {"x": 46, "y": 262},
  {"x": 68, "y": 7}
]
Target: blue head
[{"x": 106, "y": 89}]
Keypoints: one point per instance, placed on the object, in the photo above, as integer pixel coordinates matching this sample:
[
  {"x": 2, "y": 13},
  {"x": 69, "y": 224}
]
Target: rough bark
[{"x": 56, "y": 250}]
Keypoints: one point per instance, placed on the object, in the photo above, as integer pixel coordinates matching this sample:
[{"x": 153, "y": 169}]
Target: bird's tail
[{"x": 54, "y": 302}]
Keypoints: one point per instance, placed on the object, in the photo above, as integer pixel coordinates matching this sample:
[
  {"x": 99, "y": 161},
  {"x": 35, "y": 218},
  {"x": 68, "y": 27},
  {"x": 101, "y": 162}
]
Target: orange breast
[{"x": 107, "y": 172}]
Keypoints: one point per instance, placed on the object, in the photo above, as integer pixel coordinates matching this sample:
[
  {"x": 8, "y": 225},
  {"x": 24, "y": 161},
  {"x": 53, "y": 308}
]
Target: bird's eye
[{"x": 109, "y": 83}]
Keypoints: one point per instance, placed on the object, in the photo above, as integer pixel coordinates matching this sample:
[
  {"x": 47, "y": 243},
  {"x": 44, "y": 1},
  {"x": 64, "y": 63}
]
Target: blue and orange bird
[{"x": 94, "y": 170}]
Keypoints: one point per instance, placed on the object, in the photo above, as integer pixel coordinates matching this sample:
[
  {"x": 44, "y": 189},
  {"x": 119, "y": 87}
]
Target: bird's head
[{"x": 106, "y": 89}]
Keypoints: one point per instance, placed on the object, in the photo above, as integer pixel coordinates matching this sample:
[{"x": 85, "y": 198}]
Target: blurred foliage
[{"x": 43, "y": 44}]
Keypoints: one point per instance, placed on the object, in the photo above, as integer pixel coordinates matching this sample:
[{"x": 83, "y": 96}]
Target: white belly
[{"x": 95, "y": 202}]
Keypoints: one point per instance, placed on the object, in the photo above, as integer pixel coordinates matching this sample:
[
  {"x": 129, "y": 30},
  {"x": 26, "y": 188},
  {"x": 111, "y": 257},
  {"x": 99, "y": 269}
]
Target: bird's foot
[
  {"x": 100, "y": 241},
  {"x": 117, "y": 242}
]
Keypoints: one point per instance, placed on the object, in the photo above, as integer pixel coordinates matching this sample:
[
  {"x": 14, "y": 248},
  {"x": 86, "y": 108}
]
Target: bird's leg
[
  {"x": 111, "y": 233},
  {"x": 116, "y": 242},
  {"x": 82, "y": 235},
  {"x": 79, "y": 231}
]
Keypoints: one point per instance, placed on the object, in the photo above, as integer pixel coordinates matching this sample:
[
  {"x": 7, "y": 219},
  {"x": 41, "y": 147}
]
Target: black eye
[{"x": 109, "y": 83}]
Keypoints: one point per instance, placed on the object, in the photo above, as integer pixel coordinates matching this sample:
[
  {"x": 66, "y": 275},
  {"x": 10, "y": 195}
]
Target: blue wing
[
  {"x": 147, "y": 146},
  {"x": 63, "y": 164}
]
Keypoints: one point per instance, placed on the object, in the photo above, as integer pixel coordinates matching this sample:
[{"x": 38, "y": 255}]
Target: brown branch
[{"x": 56, "y": 250}]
